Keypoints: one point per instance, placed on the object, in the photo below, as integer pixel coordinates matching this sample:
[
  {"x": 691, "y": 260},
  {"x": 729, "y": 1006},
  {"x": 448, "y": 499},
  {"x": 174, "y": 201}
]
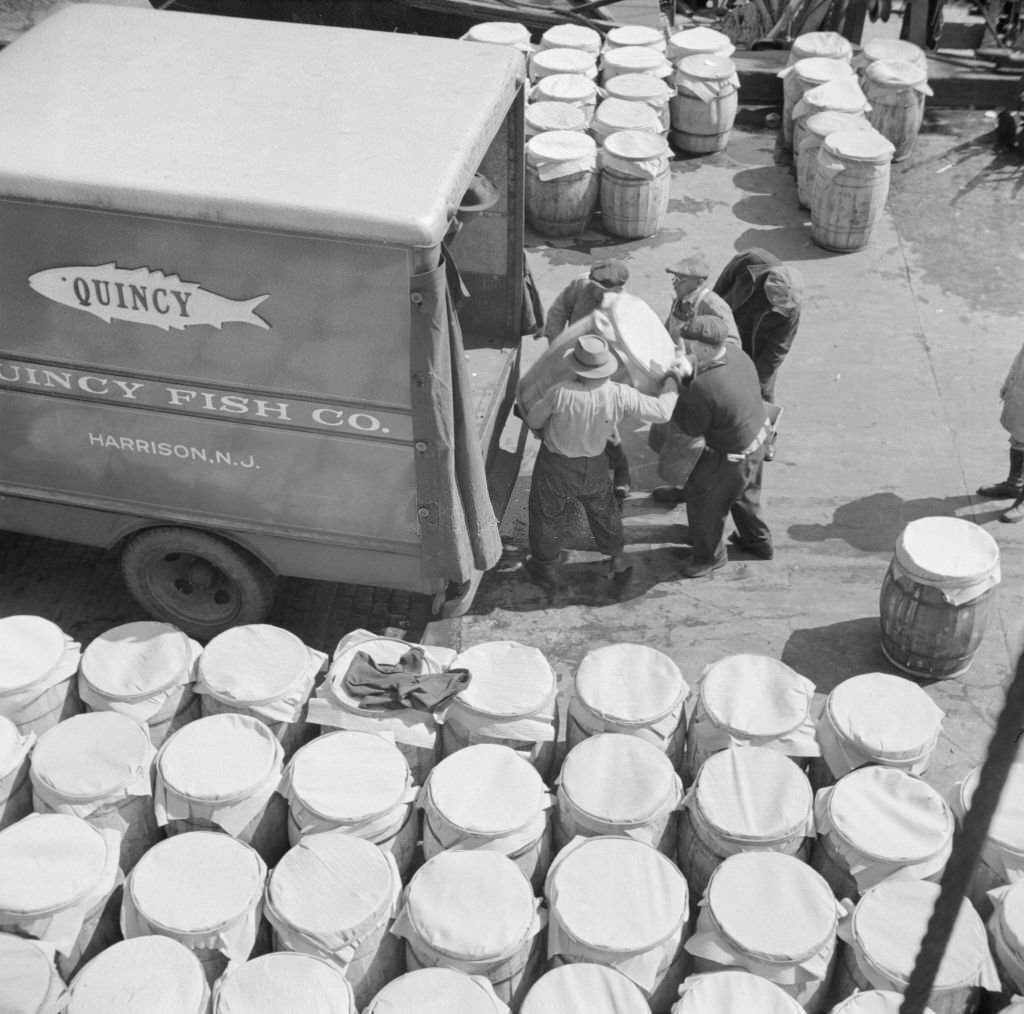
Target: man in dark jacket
[{"x": 722, "y": 403}]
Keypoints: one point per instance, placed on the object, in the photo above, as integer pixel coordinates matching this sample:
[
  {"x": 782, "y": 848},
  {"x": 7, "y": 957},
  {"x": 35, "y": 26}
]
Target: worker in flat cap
[
  {"x": 721, "y": 402},
  {"x": 579, "y": 298},
  {"x": 694, "y": 297}
]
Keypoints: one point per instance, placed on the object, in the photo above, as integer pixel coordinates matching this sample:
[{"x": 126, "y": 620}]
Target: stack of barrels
[{"x": 226, "y": 828}]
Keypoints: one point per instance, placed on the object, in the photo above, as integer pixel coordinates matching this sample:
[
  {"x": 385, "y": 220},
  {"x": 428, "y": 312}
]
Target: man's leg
[
  {"x": 605, "y": 520},
  {"x": 551, "y": 490},
  {"x": 713, "y": 487},
  {"x": 752, "y": 534}
]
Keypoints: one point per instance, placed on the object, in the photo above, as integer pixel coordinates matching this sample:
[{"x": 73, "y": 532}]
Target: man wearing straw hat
[{"x": 574, "y": 420}]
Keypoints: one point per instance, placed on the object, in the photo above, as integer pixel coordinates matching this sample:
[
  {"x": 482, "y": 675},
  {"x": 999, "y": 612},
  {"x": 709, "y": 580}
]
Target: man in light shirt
[{"x": 575, "y": 419}]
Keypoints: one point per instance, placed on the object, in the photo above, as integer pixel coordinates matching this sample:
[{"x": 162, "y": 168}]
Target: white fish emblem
[{"x": 143, "y": 296}]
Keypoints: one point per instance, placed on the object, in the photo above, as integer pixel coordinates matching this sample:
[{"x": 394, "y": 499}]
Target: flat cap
[
  {"x": 610, "y": 274},
  {"x": 695, "y": 266},
  {"x": 706, "y": 329}
]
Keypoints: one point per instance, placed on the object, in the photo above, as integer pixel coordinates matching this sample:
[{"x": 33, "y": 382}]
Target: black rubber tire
[{"x": 197, "y": 581}]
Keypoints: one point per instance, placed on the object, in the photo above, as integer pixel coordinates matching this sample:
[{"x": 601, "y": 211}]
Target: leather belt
[{"x": 762, "y": 435}]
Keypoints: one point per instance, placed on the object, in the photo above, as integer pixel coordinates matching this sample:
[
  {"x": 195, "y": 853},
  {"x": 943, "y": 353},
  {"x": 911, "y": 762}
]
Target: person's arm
[
  {"x": 541, "y": 411},
  {"x": 692, "y": 414},
  {"x": 727, "y": 278},
  {"x": 772, "y": 338},
  {"x": 560, "y": 311}
]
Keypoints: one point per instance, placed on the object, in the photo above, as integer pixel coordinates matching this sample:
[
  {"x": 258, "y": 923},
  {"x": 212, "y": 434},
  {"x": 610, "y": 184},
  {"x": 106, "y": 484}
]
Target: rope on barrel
[{"x": 967, "y": 844}]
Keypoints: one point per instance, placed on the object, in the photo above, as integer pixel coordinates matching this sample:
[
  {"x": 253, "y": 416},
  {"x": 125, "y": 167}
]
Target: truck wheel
[{"x": 196, "y": 581}]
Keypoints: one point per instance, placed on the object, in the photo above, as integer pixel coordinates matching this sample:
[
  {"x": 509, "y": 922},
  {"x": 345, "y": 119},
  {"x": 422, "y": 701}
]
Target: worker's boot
[
  {"x": 1015, "y": 514},
  {"x": 1013, "y": 484}
]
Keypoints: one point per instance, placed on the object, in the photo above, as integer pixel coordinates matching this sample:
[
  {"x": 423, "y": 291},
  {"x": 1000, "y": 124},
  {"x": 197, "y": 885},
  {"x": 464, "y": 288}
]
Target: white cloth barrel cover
[
  {"x": 571, "y": 37},
  {"x": 634, "y": 60},
  {"x": 1006, "y": 932},
  {"x": 830, "y": 45},
  {"x": 883, "y": 823},
  {"x": 595, "y": 989},
  {"x": 562, "y": 61},
  {"x": 30, "y": 981},
  {"x": 15, "y": 786},
  {"x": 548, "y": 115},
  {"x": 283, "y": 981},
  {"x": 699, "y": 40},
  {"x": 154, "y": 974},
  {"x": 37, "y": 662},
  {"x": 437, "y": 991},
  {"x": 500, "y": 33},
  {"x": 732, "y": 991},
  {"x": 635, "y": 35},
  {"x": 878, "y": 718},
  {"x": 957, "y": 557},
  {"x": 872, "y": 1001}
]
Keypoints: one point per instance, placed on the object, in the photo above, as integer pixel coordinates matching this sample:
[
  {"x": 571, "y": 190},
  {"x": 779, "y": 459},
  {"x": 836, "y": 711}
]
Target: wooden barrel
[
  {"x": 882, "y": 936},
  {"x": 1006, "y": 931},
  {"x": 571, "y": 37},
  {"x": 541, "y": 116},
  {"x": 892, "y": 49},
  {"x": 844, "y": 95},
  {"x": 645, "y": 88},
  {"x": 733, "y": 990},
  {"x": 15, "y": 786},
  {"x": 635, "y": 182},
  {"x": 613, "y": 115},
  {"x": 32, "y": 984},
  {"x": 635, "y": 35},
  {"x": 937, "y": 596},
  {"x": 703, "y": 109},
  {"x": 572, "y": 89},
  {"x": 274, "y": 982},
  {"x": 896, "y": 90},
  {"x": 809, "y": 132},
  {"x": 437, "y": 989},
  {"x": 800, "y": 77},
  {"x": 634, "y": 60},
  {"x": 827, "y": 45},
  {"x": 851, "y": 186},
  {"x": 562, "y": 184},
  {"x": 584, "y": 987},
  {"x": 562, "y": 61},
  {"x": 697, "y": 42}
]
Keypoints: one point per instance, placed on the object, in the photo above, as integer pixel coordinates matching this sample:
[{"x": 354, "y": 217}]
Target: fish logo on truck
[{"x": 143, "y": 296}]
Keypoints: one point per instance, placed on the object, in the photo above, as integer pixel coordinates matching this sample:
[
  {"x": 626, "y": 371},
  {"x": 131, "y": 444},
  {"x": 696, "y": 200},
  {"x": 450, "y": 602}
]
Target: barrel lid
[
  {"x": 635, "y": 35},
  {"x": 897, "y": 73},
  {"x": 331, "y": 882},
  {"x": 707, "y": 67},
  {"x": 636, "y": 145},
  {"x": 502, "y": 33},
  {"x": 828, "y": 121},
  {"x": 219, "y": 757},
  {"x": 637, "y": 59},
  {"x": 818, "y": 69},
  {"x": 437, "y": 991},
  {"x": 830, "y": 45},
  {"x": 487, "y": 789},
  {"x": 889, "y": 923},
  {"x": 754, "y": 695},
  {"x": 571, "y": 37},
  {"x": 637, "y": 87},
  {"x": 950, "y": 549},
  {"x": 196, "y": 881},
  {"x": 564, "y": 61},
  {"x": 30, "y": 647},
  {"x": 630, "y": 683},
  {"x": 619, "y": 778},
  {"x": 253, "y": 664},
  {"x": 507, "y": 679},
  {"x": 702, "y": 40},
  {"x": 1007, "y": 827},
  {"x": 149, "y": 973},
  {"x": 843, "y": 94},
  {"x": 471, "y": 905},
  {"x": 93, "y": 755},
  {"x": 12, "y": 746},
  {"x": 886, "y": 716},
  {"x": 780, "y": 883},
  {"x": 349, "y": 776},
  {"x": 621, "y": 114},
  {"x": 617, "y": 894},
  {"x": 754, "y": 794},
  {"x": 733, "y": 990},
  {"x": 595, "y": 989},
  {"x": 890, "y": 815},
  {"x": 137, "y": 659},
  {"x": 560, "y": 146},
  {"x": 29, "y": 976},
  {"x": 49, "y": 861},
  {"x": 860, "y": 146},
  {"x": 283, "y": 981},
  {"x": 872, "y": 1001},
  {"x": 895, "y": 49},
  {"x": 566, "y": 88},
  {"x": 555, "y": 116}
]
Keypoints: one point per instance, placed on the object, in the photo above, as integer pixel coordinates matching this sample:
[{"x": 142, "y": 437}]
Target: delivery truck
[{"x": 261, "y": 299}]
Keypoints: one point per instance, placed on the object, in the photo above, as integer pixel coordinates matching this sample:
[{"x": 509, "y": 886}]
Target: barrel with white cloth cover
[
  {"x": 772, "y": 915},
  {"x": 595, "y": 989},
  {"x": 38, "y": 662},
  {"x": 541, "y": 116},
  {"x": 620, "y": 903},
  {"x": 262, "y": 671},
  {"x": 893, "y": 49},
  {"x": 487, "y": 796},
  {"x": 437, "y": 991},
  {"x": 809, "y": 132},
  {"x": 358, "y": 782},
  {"x": 334, "y": 895},
  {"x": 801, "y": 76},
  {"x": 635, "y": 35},
  {"x": 937, "y": 596},
  {"x": 872, "y": 1001},
  {"x": 635, "y": 182},
  {"x": 31, "y": 983},
  {"x": 500, "y": 33},
  {"x": 883, "y": 933},
  {"x": 851, "y": 186},
  {"x": 645, "y": 88},
  {"x": 750, "y": 700},
  {"x": 745, "y": 799},
  {"x": 632, "y": 689},
  {"x": 562, "y": 61},
  {"x": 1002, "y": 855},
  {"x": 613, "y": 115},
  {"x": 1006, "y": 932},
  {"x": 99, "y": 766},
  {"x": 703, "y": 109},
  {"x": 58, "y": 876},
  {"x": 571, "y": 37},
  {"x": 415, "y": 731},
  {"x": 830, "y": 45},
  {"x": 573, "y": 89},
  {"x": 144, "y": 670},
  {"x": 15, "y": 786},
  {"x": 510, "y": 700},
  {"x": 879, "y": 823},
  {"x": 634, "y": 60},
  {"x": 695, "y": 41},
  {"x": 474, "y": 911},
  {"x": 733, "y": 991},
  {"x": 283, "y": 981},
  {"x": 614, "y": 784},
  {"x": 842, "y": 95},
  {"x": 223, "y": 772},
  {"x": 562, "y": 184},
  {"x": 154, "y": 974},
  {"x": 896, "y": 90}
]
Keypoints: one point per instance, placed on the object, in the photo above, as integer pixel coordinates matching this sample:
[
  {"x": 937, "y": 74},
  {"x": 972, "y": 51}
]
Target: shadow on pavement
[{"x": 828, "y": 655}]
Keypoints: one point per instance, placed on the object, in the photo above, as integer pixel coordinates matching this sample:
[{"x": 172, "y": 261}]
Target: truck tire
[{"x": 196, "y": 581}]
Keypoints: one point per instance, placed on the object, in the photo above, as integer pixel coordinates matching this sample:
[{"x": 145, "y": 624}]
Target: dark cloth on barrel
[{"x": 407, "y": 683}]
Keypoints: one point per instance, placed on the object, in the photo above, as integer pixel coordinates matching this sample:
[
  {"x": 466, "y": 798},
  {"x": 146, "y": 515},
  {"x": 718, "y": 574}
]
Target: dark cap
[
  {"x": 706, "y": 329},
  {"x": 609, "y": 274},
  {"x": 695, "y": 266}
]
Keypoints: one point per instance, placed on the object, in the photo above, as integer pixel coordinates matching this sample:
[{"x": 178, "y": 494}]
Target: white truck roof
[{"x": 339, "y": 132}]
